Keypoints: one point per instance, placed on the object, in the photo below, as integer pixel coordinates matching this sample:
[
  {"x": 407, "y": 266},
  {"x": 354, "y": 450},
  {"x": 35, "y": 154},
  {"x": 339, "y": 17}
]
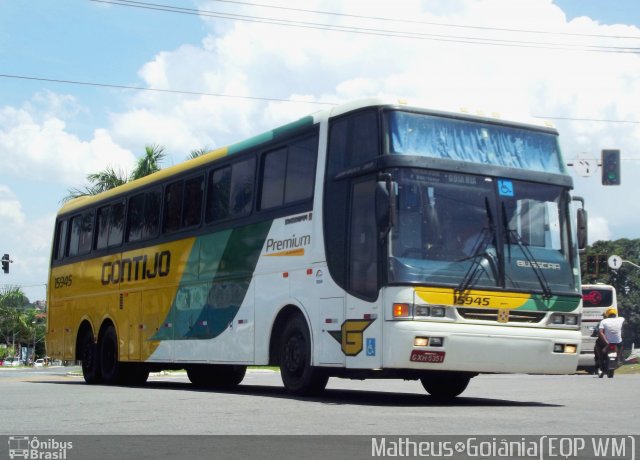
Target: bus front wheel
[
  {"x": 445, "y": 385},
  {"x": 298, "y": 375}
]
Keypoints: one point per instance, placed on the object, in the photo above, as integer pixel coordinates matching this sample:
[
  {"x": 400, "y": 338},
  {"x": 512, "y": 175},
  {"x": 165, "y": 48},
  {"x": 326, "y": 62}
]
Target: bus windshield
[
  {"x": 510, "y": 233},
  {"x": 440, "y": 137}
]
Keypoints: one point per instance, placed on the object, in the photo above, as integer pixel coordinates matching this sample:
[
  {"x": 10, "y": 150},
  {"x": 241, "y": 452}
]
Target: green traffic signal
[{"x": 610, "y": 167}]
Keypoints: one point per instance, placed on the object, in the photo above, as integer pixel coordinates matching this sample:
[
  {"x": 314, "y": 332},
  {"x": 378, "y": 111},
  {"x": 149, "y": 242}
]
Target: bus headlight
[
  {"x": 571, "y": 320},
  {"x": 564, "y": 319}
]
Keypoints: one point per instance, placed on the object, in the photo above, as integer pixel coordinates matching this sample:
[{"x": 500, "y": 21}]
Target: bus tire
[
  {"x": 89, "y": 358},
  {"x": 298, "y": 375},
  {"x": 110, "y": 367},
  {"x": 216, "y": 375},
  {"x": 445, "y": 385}
]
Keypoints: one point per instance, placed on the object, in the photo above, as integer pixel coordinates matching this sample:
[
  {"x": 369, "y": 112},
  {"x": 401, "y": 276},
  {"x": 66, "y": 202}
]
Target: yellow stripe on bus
[{"x": 473, "y": 298}]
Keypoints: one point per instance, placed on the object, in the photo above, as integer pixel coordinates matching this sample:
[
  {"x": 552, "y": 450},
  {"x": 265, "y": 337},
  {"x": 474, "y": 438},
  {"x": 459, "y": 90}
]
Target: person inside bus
[{"x": 609, "y": 332}]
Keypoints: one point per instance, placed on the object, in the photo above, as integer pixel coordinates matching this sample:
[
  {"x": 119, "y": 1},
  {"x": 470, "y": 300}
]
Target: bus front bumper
[{"x": 480, "y": 348}]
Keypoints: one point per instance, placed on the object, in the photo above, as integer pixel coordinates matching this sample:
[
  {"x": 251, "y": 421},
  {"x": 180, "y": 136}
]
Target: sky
[{"x": 574, "y": 62}]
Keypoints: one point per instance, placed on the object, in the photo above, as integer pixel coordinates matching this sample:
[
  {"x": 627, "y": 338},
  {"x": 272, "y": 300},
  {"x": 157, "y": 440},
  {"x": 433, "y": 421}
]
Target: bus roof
[
  {"x": 188, "y": 165},
  {"x": 305, "y": 122},
  {"x": 514, "y": 119}
]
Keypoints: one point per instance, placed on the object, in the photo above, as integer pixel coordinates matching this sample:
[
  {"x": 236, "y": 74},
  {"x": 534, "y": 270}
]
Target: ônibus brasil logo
[{"x": 34, "y": 448}]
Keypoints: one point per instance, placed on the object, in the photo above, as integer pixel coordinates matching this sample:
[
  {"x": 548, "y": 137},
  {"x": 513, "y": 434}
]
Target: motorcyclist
[{"x": 609, "y": 332}]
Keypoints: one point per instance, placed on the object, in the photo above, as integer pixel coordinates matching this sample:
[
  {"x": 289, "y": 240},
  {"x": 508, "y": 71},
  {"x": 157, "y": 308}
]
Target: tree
[
  {"x": 198, "y": 153},
  {"x": 109, "y": 178},
  {"x": 14, "y": 326},
  {"x": 149, "y": 163},
  {"x": 626, "y": 281}
]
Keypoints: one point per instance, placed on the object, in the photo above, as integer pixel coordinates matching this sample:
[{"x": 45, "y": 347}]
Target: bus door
[{"x": 362, "y": 328}]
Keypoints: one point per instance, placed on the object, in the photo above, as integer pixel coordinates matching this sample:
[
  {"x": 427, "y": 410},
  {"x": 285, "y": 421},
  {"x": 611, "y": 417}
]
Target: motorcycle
[{"x": 608, "y": 361}]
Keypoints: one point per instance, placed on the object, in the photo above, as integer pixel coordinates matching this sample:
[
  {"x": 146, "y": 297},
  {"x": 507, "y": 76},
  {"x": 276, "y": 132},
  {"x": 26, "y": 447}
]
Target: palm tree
[
  {"x": 149, "y": 163},
  {"x": 109, "y": 178},
  {"x": 198, "y": 153}
]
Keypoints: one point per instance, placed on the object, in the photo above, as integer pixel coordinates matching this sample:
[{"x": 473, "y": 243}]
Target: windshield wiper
[
  {"x": 478, "y": 253},
  {"x": 533, "y": 263}
]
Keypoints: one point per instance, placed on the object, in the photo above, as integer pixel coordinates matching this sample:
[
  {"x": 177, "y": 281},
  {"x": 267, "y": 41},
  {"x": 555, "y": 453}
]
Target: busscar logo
[{"x": 34, "y": 448}]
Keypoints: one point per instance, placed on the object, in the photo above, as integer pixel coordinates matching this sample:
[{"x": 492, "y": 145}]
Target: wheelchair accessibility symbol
[
  {"x": 371, "y": 347},
  {"x": 505, "y": 188}
]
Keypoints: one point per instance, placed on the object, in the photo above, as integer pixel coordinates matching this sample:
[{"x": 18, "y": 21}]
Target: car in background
[
  {"x": 11, "y": 362},
  {"x": 38, "y": 362}
]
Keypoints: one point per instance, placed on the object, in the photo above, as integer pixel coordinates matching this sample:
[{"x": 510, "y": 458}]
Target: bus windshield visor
[
  {"x": 471, "y": 231},
  {"x": 438, "y": 137}
]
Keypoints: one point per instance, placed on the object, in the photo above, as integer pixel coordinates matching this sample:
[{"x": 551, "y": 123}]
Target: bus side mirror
[
  {"x": 582, "y": 229},
  {"x": 581, "y": 225},
  {"x": 385, "y": 205}
]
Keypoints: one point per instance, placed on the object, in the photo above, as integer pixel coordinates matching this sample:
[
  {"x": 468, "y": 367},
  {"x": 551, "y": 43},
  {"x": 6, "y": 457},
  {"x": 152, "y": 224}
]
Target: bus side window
[
  {"x": 144, "y": 216},
  {"x": 192, "y": 205},
  {"x": 242, "y": 180},
  {"x": 116, "y": 224},
  {"x": 102, "y": 227},
  {"x": 301, "y": 170},
  {"x": 353, "y": 141},
  {"x": 218, "y": 194},
  {"x": 109, "y": 226},
  {"x": 288, "y": 173},
  {"x": 173, "y": 206},
  {"x": 151, "y": 227},
  {"x": 274, "y": 168},
  {"x": 81, "y": 234},
  {"x": 61, "y": 239}
]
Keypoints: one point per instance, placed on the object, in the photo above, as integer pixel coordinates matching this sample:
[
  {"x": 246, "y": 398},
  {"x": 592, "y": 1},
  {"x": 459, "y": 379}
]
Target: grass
[{"x": 629, "y": 369}]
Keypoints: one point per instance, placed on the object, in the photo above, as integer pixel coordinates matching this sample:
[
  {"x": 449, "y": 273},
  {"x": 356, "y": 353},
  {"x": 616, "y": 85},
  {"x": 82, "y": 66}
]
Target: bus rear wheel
[
  {"x": 110, "y": 367},
  {"x": 298, "y": 375},
  {"x": 445, "y": 385},
  {"x": 89, "y": 358},
  {"x": 216, "y": 375}
]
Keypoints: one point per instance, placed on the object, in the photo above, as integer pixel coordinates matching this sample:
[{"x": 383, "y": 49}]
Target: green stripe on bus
[{"x": 225, "y": 262}]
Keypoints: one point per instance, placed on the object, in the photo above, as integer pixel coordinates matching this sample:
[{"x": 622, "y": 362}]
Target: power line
[
  {"x": 377, "y": 32},
  {"x": 438, "y": 24},
  {"x": 258, "y": 98},
  {"x": 174, "y": 91}
]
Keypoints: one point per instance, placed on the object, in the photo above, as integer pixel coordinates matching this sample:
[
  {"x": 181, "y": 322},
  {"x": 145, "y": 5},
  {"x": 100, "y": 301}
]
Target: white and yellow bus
[{"x": 374, "y": 239}]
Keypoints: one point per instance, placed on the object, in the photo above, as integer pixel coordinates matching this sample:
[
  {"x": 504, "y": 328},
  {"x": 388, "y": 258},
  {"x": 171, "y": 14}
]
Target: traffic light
[
  {"x": 611, "y": 167},
  {"x": 592, "y": 265},
  {"x": 603, "y": 265},
  {"x": 5, "y": 263}
]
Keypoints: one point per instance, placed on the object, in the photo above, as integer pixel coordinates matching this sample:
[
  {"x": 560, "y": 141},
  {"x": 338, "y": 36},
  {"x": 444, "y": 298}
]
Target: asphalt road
[{"x": 49, "y": 401}]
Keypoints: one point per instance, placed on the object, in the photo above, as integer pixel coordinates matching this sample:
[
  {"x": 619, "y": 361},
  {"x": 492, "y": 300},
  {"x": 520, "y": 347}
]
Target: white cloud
[
  {"x": 36, "y": 144},
  {"x": 11, "y": 214}
]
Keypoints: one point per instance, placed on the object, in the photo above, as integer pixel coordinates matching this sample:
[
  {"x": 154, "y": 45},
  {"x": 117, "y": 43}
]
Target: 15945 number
[
  {"x": 63, "y": 281},
  {"x": 466, "y": 299}
]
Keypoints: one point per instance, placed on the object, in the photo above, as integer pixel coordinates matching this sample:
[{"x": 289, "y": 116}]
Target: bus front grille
[{"x": 515, "y": 316}]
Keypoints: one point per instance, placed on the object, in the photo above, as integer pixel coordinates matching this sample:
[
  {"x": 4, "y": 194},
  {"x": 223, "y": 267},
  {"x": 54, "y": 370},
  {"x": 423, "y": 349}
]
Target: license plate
[{"x": 424, "y": 356}]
